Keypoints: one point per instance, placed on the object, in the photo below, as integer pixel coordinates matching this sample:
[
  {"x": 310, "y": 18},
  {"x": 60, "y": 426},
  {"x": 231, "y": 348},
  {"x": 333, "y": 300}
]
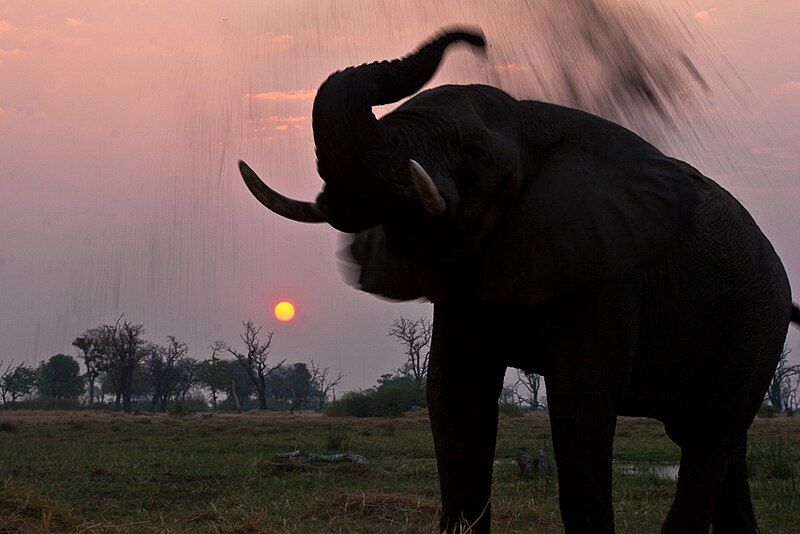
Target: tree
[
  {"x": 323, "y": 386},
  {"x": 161, "y": 366},
  {"x": 16, "y": 382},
  {"x": 92, "y": 359},
  {"x": 213, "y": 375},
  {"x": 783, "y": 387},
  {"x": 239, "y": 386},
  {"x": 527, "y": 388},
  {"x": 255, "y": 359},
  {"x": 60, "y": 378},
  {"x": 186, "y": 376},
  {"x": 415, "y": 336},
  {"x": 297, "y": 386},
  {"x": 122, "y": 347},
  {"x": 141, "y": 387}
]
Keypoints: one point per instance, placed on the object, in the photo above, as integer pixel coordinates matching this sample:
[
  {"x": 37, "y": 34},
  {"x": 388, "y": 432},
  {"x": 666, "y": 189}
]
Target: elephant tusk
[
  {"x": 429, "y": 194},
  {"x": 296, "y": 210}
]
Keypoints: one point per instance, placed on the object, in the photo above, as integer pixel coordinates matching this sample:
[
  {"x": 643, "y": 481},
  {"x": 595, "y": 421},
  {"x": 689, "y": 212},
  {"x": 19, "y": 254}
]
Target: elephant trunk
[{"x": 356, "y": 158}]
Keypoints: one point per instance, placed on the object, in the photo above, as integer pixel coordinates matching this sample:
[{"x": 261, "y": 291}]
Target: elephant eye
[{"x": 478, "y": 153}]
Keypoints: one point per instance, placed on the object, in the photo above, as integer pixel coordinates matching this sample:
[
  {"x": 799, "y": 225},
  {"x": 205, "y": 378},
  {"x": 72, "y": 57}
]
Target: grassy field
[{"x": 84, "y": 472}]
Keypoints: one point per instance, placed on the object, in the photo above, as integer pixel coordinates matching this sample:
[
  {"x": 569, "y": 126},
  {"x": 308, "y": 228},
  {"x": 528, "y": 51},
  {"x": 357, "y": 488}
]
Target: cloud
[
  {"x": 292, "y": 119},
  {"x": 284, "y": 39},
  {"x": 6, "y": 26},
  {"x": 279, "y": 123},
  {"x": 511, "y": 67},
  {"x": 7, "y": 53},
  {"x": 706, "y": 14},
  {"x": 787, "y": 88},
  {"x": 300, "y": 94},
  {"x": 77, "y": 23}
]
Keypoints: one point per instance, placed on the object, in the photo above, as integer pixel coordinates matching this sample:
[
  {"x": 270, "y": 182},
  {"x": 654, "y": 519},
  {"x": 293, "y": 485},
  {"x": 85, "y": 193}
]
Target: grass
[{"x": 78, "y": 471}]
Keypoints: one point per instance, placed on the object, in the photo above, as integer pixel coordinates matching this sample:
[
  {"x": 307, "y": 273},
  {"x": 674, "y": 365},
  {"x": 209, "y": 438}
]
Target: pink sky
[{"x": 121, "y": 122}]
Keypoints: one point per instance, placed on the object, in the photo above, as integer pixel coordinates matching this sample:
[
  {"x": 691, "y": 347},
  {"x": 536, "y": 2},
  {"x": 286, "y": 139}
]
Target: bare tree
[
  {"x": 527, "y": 388},
  {"x": 214, "y": 374},
  {"x": 122, "y": 347},
  {"x": 415, "y": 336},
  {"x": 508, "y": 395},
  {"x": 255, "y": 359},
  {"x": 88, "y": 345},
  {"x": 322, "y": 384},
  {"x": 187, "y": 376},
  {"x": 783, "y": 388}
]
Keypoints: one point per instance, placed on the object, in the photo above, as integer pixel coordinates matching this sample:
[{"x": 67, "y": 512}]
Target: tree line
[{"x": 122, "y": 369}]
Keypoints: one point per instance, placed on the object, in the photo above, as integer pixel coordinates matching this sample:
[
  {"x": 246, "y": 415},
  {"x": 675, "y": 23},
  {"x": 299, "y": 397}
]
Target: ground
[{"x": 88, "y": 472}]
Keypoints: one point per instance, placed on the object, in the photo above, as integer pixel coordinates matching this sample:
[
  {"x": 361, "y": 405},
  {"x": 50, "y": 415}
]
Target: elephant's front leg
[
  {"x": 464, "y": 383},
  {"x": 583, "y": 434}
]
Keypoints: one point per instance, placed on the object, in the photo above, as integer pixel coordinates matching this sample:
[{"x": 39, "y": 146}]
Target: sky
[{"x": 121, "y": 123}]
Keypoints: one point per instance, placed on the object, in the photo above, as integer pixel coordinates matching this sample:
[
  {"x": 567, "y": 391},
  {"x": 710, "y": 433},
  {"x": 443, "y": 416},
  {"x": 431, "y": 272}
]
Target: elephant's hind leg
[
  {"x": 734, "y": 512},
  {"x": 701, "y": 478}
]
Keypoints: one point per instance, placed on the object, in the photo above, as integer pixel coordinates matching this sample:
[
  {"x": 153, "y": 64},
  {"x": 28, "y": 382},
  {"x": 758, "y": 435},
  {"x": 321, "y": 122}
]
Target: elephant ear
[
  {"x": 366, "y": 263},
  {"x": 600, "y": 203}
]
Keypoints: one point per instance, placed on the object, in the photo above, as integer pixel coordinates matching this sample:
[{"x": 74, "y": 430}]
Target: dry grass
[
  {"x": 104, "y": 472},
  {"x": 23, "y": 511}
]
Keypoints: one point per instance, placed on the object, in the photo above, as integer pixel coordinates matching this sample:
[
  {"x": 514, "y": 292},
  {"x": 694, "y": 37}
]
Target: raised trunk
[{"x": 359, "y": 164}]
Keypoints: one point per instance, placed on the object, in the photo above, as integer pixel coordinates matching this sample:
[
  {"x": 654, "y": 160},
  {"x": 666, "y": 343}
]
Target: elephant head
[{"x": 464, "y": 191}]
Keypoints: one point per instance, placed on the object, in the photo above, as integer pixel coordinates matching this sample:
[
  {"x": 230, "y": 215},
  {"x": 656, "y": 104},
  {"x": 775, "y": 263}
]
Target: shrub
[
  {"x": 47, "y": 404},
  {"x": 510, "y": 409},
  {"x": 766, "y": 410},
  {"x": 393, "y": 396},
  {"x": 7, "y": 426}
]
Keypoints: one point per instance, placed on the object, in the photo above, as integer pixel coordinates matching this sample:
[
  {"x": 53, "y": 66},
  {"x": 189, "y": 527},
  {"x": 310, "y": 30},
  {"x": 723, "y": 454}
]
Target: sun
[{"x": 284, "y": 311}]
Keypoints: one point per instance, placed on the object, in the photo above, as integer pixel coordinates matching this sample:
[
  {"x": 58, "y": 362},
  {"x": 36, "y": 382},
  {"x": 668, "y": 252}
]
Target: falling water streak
[{"x": 186, "y": 251}]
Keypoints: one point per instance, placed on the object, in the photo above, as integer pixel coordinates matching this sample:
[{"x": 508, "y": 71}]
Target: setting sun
[{"x": 284, "y": 311}]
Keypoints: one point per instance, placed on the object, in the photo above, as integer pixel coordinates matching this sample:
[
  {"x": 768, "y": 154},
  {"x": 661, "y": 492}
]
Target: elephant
[{"x": 633, "y": 283}]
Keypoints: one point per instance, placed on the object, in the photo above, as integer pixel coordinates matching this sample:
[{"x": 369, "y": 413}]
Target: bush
[
  {"x": 393, "y": 396},
  {"x": 767, "y": 410},
  {"x": 510, "y": 409},
  {"x": 46, "y": 404},
  {"x": 7, "y": 426}
]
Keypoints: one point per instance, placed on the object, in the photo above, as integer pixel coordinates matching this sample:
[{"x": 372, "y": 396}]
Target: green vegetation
[
  {"x": 393, "y": 396},
  {"x": 84, "y": 471}
]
